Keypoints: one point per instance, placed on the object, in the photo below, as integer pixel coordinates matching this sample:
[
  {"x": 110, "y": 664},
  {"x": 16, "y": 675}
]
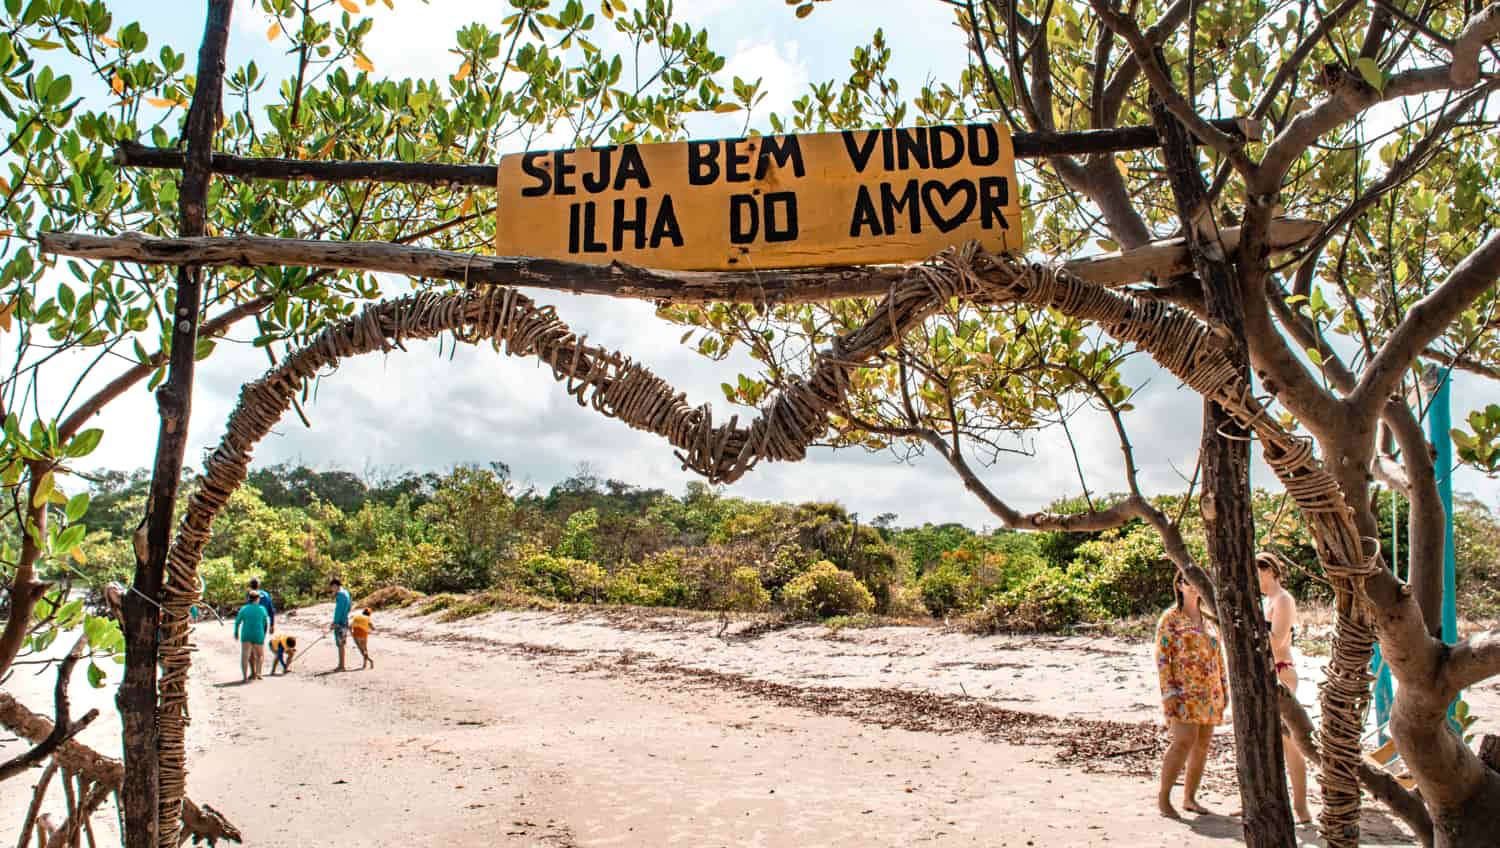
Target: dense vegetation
[{"x": 604, "y": 541}]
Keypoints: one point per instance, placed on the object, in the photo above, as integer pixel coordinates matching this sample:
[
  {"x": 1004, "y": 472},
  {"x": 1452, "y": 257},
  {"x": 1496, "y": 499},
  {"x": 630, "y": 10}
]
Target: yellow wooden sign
[{"x": 844, "y": 198}]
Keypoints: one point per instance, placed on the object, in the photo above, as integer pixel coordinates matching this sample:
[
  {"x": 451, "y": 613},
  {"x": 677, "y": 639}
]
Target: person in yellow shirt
[
  {"x": 360, "y": 627},
  {"x": 283, "y": 648}
]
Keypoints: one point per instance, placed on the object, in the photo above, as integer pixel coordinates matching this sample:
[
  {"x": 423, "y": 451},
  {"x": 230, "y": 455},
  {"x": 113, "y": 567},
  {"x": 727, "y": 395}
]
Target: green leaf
[
  {"x": 84, "y": 443},
  {"x": 96, "y": 675},
  {"x": 35, "y": 12},
  {"x": 1370, "y": 70},
  {"x": 43, "y": 489},
  {"x": 70, "y": 613},
  {"x": 77, "y": 506},
  {"x": 1315, "y": 356},
  {"x": 68, "y": 539},
  {"x": 60, "y": 90}
]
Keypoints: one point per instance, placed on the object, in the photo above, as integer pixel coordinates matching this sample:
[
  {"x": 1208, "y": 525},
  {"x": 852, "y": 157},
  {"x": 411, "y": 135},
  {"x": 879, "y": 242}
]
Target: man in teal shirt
[
  {"x": 341, "y": 605},
  {"x": 250, "y": 628}
]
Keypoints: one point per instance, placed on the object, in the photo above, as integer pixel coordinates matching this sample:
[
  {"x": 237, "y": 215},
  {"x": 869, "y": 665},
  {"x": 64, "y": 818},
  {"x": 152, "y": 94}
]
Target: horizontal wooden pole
[
  {"x": 130, "y": 154},
  {"x": 1156, "y": 261},
  {"x": 1027, "y": 146}
]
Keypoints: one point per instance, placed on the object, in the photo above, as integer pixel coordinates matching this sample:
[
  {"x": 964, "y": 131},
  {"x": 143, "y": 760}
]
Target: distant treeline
[{"x": 474, "y": 529}]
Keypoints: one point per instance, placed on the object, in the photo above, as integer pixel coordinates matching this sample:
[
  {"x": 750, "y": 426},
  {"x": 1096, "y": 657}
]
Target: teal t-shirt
[
  {"x": 341, "y": 604},
  {"x": 250, "y": 624}
]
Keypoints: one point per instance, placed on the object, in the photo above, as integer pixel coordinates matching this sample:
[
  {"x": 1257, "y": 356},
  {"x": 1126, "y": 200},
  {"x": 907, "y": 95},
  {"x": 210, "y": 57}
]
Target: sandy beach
[{"x": 637, "y": 728}]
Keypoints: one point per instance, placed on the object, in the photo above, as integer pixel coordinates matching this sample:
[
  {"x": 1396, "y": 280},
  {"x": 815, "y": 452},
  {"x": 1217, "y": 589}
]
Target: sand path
[{"x": 634, "y": 729}]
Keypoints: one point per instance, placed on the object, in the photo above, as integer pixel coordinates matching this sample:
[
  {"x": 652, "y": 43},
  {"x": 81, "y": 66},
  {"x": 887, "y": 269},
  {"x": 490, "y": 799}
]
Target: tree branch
[
  {"x": 1349, "y": 94},
  {"x": 1462, "y": 363},
  {"x": 118, "y": 386},
  {"x": 1130, "y": 67},
  {"x": 1160, "y": 80},
  {"x": 1473, "y": 660},
  {"x": 77, "y": 758},
  {"x": 1399, "y": 172},
  {"x": 63, "y": 728},
  {"x": 1427, "y": 320}
]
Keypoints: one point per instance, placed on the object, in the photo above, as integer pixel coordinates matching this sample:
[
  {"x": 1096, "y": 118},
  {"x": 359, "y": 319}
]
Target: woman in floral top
[{"x": 1193, "y": 694}]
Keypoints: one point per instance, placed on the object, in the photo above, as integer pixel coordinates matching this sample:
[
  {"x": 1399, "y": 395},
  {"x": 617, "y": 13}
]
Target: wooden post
[
  {"x": 137, "y": 698},
  {"x": 1229, "y": 524},
  {"x": 1028, "y": 145},
  {"x": 1161, "y": 260}
]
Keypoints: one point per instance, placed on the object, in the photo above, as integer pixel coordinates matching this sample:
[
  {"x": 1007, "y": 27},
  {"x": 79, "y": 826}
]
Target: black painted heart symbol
[{"x": 945, "y": 195}]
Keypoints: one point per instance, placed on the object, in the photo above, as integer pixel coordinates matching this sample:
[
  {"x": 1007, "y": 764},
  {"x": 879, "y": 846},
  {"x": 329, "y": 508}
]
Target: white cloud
[{"x": 778, "y": 65}]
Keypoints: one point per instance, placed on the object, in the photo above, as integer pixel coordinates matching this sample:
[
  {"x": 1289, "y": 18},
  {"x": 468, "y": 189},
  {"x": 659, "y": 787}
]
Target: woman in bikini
[
  {"x": 1280, "y": 609},
  {"x": 1193, "y": 693}
]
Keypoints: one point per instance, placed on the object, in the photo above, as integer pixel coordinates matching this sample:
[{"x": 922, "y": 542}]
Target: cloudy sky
[{"x": 427, "y": 410}]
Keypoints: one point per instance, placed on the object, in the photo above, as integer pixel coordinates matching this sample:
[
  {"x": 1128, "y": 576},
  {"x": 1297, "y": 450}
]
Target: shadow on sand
[{"x": 1376, "y": 825}]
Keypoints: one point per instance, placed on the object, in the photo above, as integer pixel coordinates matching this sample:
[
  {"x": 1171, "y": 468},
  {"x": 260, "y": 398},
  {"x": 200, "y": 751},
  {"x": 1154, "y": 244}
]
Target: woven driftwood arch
[{"x": 621, "y": 388}]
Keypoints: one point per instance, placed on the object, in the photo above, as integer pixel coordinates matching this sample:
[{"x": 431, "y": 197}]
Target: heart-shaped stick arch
[{"x": 621, "y": 388}]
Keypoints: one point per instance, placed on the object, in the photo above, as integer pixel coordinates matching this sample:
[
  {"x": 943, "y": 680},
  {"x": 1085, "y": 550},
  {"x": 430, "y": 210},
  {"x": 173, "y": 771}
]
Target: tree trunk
[
  {"x": 1470, "y": 824},
  {"x": 1229, "y": 525},
  {"x": 136, "y": 701},
  {"x": 137, "y": 697}
]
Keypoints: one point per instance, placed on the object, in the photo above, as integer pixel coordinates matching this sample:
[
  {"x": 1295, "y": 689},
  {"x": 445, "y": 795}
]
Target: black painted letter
[
  {"x": 955, "y": 143},
  {"x": 530, "y": 164},
  {"x": 666, "y": 225},
  {"x": 908, "y": 201},
  {"x": 864, "y": 213},
  {"x": 860, "y": 153},
  {"x": 783, "y": 150},
  {"x": 744, "y": 219},
  {"x": 632, "y": 167},
  {"x": 781, "y": 226},
  {"x": 703, "y": 162},
  {"x": 994, "y": 195},
  {"x": 636, "y": 224},
  {"x": 991, "y": 145}
]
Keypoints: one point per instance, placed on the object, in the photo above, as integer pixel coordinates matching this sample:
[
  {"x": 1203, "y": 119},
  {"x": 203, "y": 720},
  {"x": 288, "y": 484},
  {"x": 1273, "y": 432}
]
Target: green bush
[
  {"x": 224, "y": 586},
  {"x": 1052, "y": 599},
  {"x": 943, "y": 588},
  {"x": 964, "y": 578},
  {"x": 656, "y": 581},
  {"x": 577, "y": 540},
  {"x": 1128, "y": 569},
  {"x": 563, "y": 578},
  {"x": 826, "y": 590},
  {"x": 787, "y": 563},
  {"x": 742, "y": 592}
]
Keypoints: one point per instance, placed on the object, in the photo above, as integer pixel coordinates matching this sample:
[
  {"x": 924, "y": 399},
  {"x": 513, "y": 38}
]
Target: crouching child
[{"x": 283, "y": 649}]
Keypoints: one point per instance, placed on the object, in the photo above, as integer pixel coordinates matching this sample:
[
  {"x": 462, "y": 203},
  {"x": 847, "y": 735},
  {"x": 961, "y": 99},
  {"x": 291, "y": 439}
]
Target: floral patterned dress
[{"x": 1191, "y": 670}]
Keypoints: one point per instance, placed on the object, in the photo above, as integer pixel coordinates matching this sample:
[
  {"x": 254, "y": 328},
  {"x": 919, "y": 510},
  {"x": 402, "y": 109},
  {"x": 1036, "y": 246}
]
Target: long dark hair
[{"x": 1177, "y": 590}]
